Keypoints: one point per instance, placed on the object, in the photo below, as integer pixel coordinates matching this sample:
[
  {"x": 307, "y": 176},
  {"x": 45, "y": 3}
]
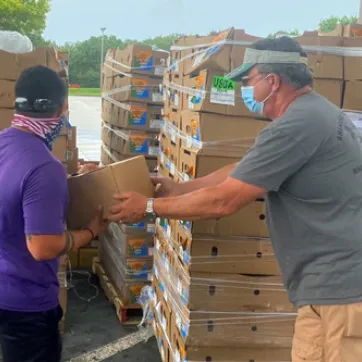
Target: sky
[{"x": 77, "y": 20}]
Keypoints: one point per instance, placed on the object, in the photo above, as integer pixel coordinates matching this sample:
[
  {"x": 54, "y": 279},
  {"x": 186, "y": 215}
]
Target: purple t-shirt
[{"x": 33, "y": 200}]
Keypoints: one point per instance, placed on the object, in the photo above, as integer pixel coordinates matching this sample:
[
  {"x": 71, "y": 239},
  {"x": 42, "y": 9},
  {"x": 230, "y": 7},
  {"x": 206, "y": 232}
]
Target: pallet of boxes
[
  {"x": 132, "y": 103},
  {"x": 131, "y": 112},
  {"x": 218, "y": 293},
  {"x": 12, "y": 65}
]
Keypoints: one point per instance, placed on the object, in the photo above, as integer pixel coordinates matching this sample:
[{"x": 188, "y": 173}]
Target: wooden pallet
[{"x": 127, "y": 314}]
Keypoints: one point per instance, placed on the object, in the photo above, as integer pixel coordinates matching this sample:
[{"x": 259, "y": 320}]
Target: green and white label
[{"x": 223, "y": 91}]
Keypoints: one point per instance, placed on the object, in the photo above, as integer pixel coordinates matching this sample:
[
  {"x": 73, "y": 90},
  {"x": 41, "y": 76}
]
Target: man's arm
[
  {"x": 169, "y": 188},
  {"x": 209, "y": 202},
  {"x": 44, "y": 199},
  {"x": 274, "y": 158}
]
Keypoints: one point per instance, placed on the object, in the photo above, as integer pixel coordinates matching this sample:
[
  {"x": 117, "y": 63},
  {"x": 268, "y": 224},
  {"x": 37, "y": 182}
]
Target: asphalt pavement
[{"x": 85, "y": 114}]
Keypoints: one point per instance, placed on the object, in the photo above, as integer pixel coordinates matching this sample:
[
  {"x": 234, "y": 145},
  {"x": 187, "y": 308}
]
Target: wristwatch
[{"x": 150, "y": 212}]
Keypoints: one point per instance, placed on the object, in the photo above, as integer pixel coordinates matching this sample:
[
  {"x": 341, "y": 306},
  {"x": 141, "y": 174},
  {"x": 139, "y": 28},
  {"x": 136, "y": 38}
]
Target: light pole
[
  {"x": 102, "y": 57},
  {"x": 360, "y": 13}
]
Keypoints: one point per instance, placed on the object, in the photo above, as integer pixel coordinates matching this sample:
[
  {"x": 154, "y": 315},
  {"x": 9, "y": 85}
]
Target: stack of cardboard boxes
[
  {"x": 132, "y": 103},
  {"x": 218, "y": 291},
  {"x": 11, "y": 66}
]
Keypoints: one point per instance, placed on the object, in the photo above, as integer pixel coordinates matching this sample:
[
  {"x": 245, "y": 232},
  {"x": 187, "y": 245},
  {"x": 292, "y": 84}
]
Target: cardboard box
[
  {"x": 234, "y": 330},
  {"x": 352, "y": 98},
  {"x": 196, "y": 163},
  {"x": 141, "y": 59},
  {"x": 138, "y": 89},
  {"x": 133, "y": 116},
  {"x": 37, "y": 57},
  {"x": 249, "y": 221},
  {"x": 72, "y": 137},
  {"x": 330, "y": 89},
  {"x": 211, "y": 56},
  {"x": 9, "y": 65},
  {"x": 109, "y": 156},
  {"x": 72, "y": 160},
  {"x": 208, "y": 91},
  {"x": 215, "y": 131},
  {"x": 219, "y": 292},
  {"x": 169, "y": 156},
  {"x": 324, "y": 66},
  {"x": 229, "y": 354},
  {"x": 173, "y": 97},
  {"x": 162, "y": 343},
  {"x": 7, "y": 94},
  {"x": 352, "y": 65},
  {"x": 128, "y": 277},
  {"x": 231, "y": 255},
  {"x": 128, "y": 175},
  {"x": 134, "y": 143},
  {"x": 133, "y": 244},
  {"x": 60, "y": 148},
  {"x": 6, "y": 117},
  {"x": 86, "y": 256}
]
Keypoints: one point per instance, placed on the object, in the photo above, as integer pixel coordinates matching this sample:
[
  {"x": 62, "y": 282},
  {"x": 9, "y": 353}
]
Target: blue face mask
[{"x": 247, "y": 93}]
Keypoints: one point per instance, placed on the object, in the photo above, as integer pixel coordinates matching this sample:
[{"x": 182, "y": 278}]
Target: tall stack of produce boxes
[
  {"x": 132, "y": 103},
  {"x": 218, "y": 293},
  {"x": 131, "y": 112}
]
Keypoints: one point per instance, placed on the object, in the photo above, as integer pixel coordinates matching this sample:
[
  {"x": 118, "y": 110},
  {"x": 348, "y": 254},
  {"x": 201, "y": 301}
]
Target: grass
[{"x": 85, "y": 92}]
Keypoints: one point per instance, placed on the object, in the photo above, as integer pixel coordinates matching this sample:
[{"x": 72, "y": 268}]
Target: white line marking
[{"x": 115, "y": 347}]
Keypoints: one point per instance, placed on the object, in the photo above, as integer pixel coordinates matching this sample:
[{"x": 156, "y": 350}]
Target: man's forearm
[
  {"x": 81, "y": 238},
  {"x": 204, "y": 204},
  {"x": 211, "y": 180}
]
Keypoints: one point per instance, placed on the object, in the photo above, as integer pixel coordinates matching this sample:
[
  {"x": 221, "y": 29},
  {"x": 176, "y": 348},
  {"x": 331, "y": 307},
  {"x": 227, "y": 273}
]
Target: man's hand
[
  {"x": 165, "y": 187},
  {"x": 88, "y": 167},
  {"x": 98, "y": 224},
  {"x": 130, "y": 208}
]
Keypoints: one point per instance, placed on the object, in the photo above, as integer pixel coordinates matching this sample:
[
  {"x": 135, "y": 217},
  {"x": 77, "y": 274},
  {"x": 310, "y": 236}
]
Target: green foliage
[
  {"x": 294, "y": 32},
  {"x": 85, "y": 92},
  {"x": 25, "y": 16},
  {"x": 329, "y": 24}
]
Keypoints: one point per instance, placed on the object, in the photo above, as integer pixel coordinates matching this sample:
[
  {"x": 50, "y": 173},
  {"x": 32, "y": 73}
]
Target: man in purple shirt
[{"x": 33, "y": 202}]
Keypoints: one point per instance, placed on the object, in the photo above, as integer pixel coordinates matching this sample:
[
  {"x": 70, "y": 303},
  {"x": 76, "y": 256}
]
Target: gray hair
[{"x": 296, "y": 75}]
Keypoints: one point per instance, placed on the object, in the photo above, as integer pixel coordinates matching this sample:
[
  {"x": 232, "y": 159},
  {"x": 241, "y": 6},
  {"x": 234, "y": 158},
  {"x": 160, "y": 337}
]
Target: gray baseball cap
[{"x": 254, "y": 56}]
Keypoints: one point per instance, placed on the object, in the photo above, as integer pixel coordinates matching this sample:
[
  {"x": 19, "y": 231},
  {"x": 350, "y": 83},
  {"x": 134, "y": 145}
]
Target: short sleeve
[
  {"x": 45, "y": 197},
  {"x": 273, "y": 158}
]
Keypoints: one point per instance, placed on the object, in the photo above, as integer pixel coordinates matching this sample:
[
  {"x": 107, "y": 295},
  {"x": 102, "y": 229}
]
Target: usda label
[{"x": 223, "y": 91}]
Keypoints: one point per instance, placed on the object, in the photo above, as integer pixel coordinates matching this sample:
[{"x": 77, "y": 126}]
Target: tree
[
  {"x": 329, "y": 24},
  {"x": 25, "y": 16},
  {"x": 294, "y": 32}
]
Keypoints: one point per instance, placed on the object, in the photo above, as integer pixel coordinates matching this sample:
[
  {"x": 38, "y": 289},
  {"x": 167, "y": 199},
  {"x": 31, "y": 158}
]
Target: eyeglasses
[{"x": 245, "y": 80}]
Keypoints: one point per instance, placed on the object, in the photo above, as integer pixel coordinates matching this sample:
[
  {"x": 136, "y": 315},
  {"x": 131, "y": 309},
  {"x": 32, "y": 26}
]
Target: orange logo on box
[
  {"x": 200, "y": 81},
  {"x": 137, "y": 112},
  {"x": 140, "y": 83},
  {"x": 144, "y": 55},
  {"x": 138, "y": 140},
  {"x": 194, "y": 127},
  {"x": 221, "y": 36}
]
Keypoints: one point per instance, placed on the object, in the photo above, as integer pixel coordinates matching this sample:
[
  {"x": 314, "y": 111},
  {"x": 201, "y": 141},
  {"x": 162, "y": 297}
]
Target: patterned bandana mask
[{"x": 46, "y": 128}]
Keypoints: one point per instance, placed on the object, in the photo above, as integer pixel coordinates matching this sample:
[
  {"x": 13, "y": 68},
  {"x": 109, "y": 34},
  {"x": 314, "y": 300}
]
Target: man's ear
[{"x": 63, "y": 110}]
